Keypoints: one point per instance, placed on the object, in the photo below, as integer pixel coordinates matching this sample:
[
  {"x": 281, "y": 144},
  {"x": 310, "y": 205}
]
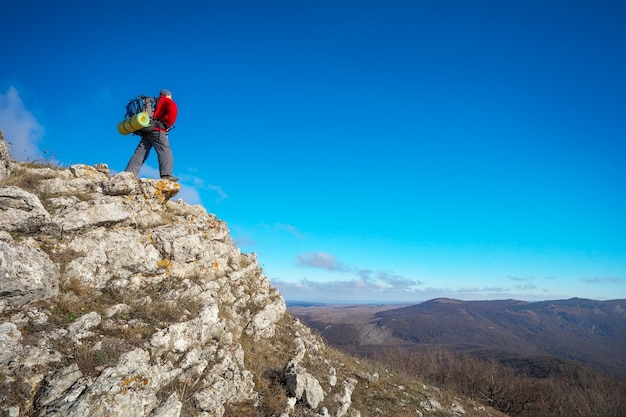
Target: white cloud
[
  {"x": 602, "y": 280},
  {"x": 397, "y": 281},
  {"x": 323, "y": 260},
  {"x": 320, "y": 260},
  {"x": 388, "y": 278},
  {"x": 19, "y": 127},
  {"x": 365, "y": 283},
  {"x": 527, "y": 287},
  {"x": 365, "y": 286}
]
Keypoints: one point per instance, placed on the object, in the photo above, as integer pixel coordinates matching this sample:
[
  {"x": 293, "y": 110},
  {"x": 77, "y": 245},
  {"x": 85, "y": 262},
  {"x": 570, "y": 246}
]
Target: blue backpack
[{"x": 142, "y": 104}]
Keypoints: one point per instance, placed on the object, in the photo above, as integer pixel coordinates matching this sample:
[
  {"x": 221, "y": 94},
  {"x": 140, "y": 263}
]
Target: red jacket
[{"x": 166, "y": 112}]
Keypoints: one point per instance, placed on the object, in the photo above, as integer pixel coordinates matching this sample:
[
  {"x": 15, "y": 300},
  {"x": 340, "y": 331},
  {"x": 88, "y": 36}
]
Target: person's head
[{"x": 166, "y": 93}]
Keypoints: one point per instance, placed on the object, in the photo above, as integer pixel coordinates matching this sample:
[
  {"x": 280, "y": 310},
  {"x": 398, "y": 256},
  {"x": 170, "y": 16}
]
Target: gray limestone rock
[{"x": 21, "y": 211}]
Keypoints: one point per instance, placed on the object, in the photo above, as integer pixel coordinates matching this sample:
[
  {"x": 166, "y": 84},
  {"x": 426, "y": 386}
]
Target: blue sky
[{"x": 367, "y": 151}]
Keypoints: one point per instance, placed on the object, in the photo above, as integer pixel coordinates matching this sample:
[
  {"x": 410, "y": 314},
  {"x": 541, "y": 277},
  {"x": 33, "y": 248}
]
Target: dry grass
[
  {"x": 266, "y": 359},
  {"x": 123, "y": 333},
  {"x": 25, "y": 178},
  {"x": 91, "y": 362},
  {"x": 17, "y": 391}
]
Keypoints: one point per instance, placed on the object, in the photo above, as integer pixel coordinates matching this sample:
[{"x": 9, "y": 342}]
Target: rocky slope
[{"x": 116, "y": 300}]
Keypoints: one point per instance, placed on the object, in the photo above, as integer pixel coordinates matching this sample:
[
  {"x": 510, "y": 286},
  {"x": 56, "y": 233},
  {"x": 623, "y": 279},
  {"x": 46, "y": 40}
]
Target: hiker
[{"x": 163, "y": 119}]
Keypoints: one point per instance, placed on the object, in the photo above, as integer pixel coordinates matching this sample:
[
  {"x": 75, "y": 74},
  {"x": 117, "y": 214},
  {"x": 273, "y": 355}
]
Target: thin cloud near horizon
[
  {"x": 602, "y": 280},
  {"x": 361, "y": 291},
  {"x": 365, "y": 280}
]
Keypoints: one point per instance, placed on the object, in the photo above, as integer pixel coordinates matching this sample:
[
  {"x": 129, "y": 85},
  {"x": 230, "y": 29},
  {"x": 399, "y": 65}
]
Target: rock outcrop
[{"x": 116, "y": 300}]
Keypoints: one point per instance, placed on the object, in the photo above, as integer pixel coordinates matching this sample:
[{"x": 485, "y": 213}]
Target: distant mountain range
[{"x": 586, "y": 331}]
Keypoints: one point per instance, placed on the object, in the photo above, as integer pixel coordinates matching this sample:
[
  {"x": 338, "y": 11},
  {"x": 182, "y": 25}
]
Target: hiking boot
[{"x": 169, "y": 178}]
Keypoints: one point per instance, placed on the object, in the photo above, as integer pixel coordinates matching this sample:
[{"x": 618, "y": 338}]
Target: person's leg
[
  {"x": 164, "y": 152},
  {"x": 139, "y": 157}
]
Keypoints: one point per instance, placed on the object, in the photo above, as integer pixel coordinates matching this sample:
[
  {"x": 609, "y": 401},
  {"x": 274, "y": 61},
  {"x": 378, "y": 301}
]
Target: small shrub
[
  {"x": 15, "y": 393},
  {"x": 90, "y": 361}
]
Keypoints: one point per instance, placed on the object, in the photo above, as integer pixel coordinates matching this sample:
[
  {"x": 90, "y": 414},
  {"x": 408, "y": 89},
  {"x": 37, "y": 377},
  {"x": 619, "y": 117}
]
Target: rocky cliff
[{"x": 116, "y": 300}]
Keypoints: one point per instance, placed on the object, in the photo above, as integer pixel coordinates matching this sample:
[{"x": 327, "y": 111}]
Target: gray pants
[{"x": 157, "y": 139}]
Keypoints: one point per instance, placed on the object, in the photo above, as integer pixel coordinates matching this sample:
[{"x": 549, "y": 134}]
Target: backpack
[{"x": 142, "y": 104}]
